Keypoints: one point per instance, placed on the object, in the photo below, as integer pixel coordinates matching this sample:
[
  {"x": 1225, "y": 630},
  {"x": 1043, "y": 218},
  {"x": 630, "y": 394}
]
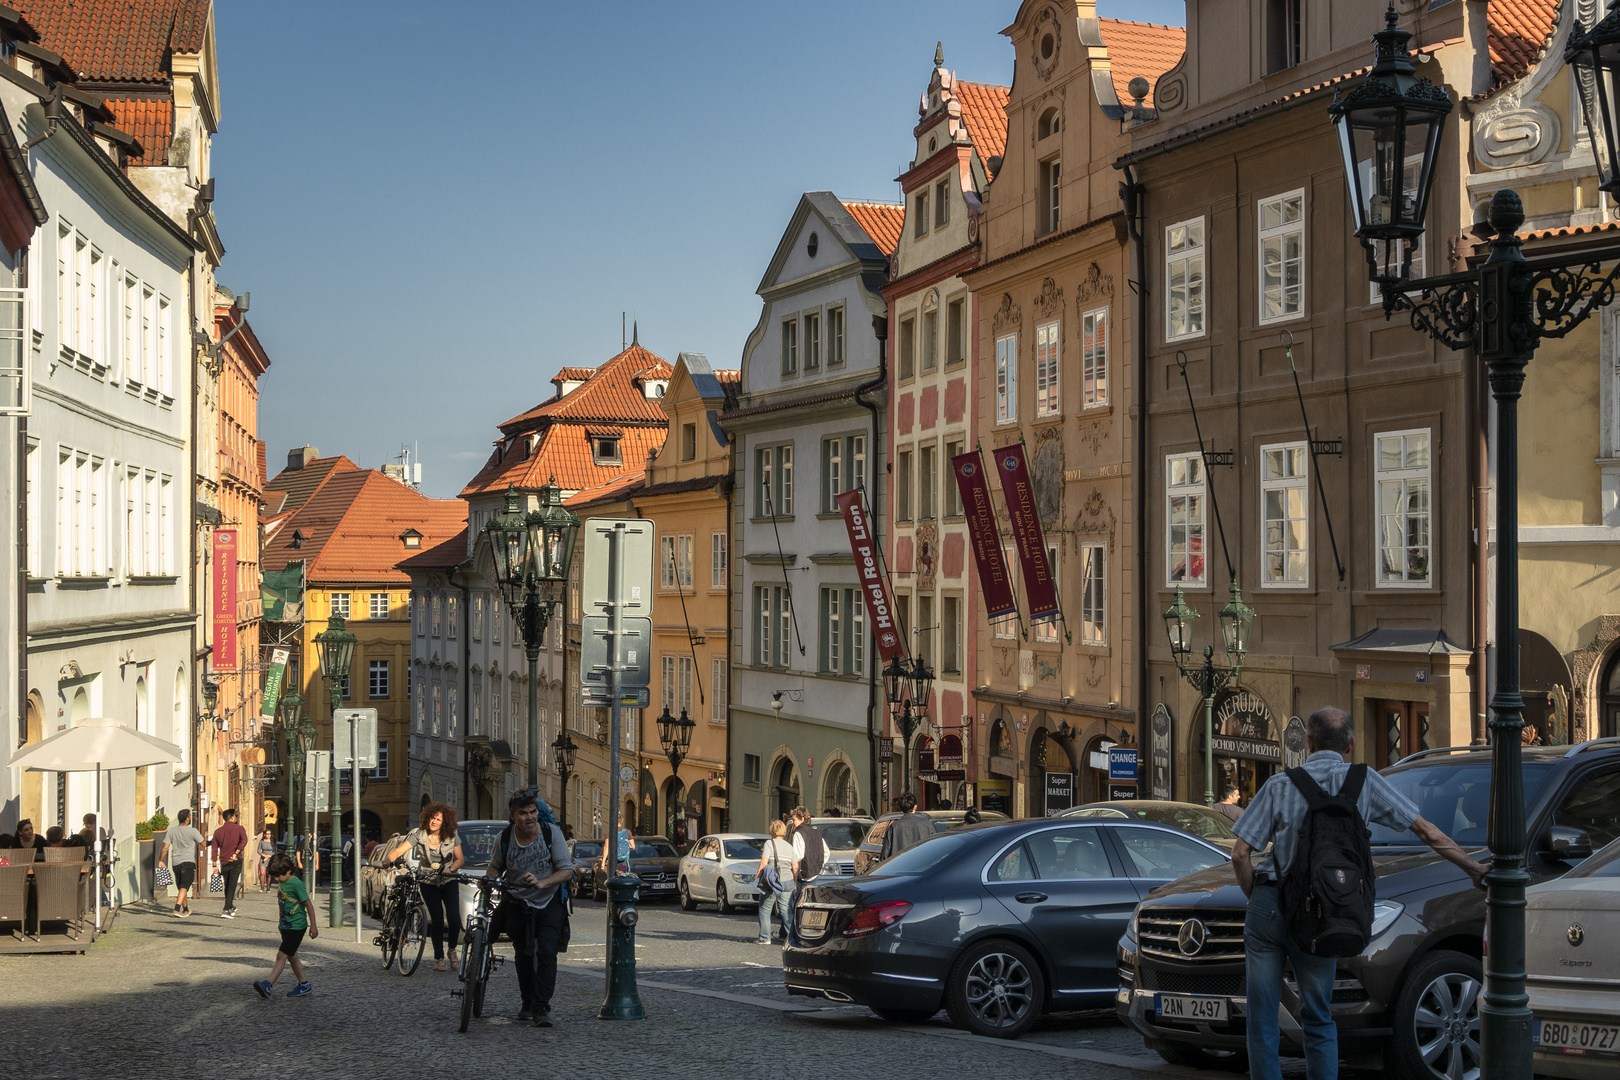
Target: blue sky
[{"x": 435, "y": 206}]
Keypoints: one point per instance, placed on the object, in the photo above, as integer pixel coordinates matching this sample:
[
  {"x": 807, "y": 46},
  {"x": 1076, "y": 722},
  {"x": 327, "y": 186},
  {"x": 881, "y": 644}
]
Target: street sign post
[
  {"x": 317, "y": 793},
  {"x": 356, "y": 731}
]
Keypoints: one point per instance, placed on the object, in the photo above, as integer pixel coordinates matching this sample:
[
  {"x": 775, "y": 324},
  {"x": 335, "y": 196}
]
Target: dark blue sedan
[{"x": 996, "y": 923}]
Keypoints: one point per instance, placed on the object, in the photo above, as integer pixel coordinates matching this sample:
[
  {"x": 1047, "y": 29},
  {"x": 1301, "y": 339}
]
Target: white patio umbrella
[{"x": 96, "y": 744}]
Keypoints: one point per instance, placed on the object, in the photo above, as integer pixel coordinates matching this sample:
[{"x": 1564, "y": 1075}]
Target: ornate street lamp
[
  {"x": 1237, "y": 622},
  {"x": 675, "y": 735},
  {"x": 300, "y": 740},
  {"x": 562, "y": 758},
  {"x": 336, "y": 648},
  {"x": 1502, "y": 309},
  {"x": 531, "y": 554},
  {"x": 907, "y": 684}
]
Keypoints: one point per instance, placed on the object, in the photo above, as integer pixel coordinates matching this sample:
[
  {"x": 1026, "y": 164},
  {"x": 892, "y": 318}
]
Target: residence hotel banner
[
  {"x": 879, "y": 604},
  {"x": 224, "y": 608},
  {"x": 994, "y": 584},
  {"x": 1026, "y": 529}
]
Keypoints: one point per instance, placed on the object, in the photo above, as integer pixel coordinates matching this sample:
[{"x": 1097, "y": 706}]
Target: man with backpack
[
  {"x": 1311, "y": 896},
  {"x": 532, "y": 862}
]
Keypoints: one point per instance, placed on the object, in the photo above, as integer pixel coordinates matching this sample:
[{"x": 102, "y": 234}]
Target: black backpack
[{"x": 1327, "y": 893}]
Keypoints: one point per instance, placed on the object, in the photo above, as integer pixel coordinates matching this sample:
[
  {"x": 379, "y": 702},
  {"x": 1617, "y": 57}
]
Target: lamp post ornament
[
  {"x": 675, "y": 734},
  {"x": 1237, "y": 623},
  {"x": 1390, "y": 127},
  {"x": 336, "y": 649},
  {"x": 562, "y": 758},
  {"x": 300, "y": 740}
]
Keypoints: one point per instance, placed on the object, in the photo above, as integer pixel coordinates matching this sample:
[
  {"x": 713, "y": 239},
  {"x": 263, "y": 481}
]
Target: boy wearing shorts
[{"x": 297, "y": 918}]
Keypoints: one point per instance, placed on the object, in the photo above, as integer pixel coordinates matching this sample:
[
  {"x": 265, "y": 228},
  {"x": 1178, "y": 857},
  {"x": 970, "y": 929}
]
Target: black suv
[{"x": 1412, "y": 998}]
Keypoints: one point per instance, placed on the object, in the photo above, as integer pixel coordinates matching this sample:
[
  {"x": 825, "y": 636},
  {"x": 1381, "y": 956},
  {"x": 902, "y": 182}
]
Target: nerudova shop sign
[{"x": 1243, "y": 721}]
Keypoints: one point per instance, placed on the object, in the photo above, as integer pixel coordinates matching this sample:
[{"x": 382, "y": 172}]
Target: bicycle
[
  {"x": 478, "y": 957},
  {"x": 404, "y": 924}
]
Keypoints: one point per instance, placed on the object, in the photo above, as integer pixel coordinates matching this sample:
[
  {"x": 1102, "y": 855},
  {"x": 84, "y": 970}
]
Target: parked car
[
  {"x": 478, "y": 840},
  {"x": 1201, "y": 821},
  {"x": 376, "y": 874},
  {"x": 1412, "y": 998},
  {"x": 720, "y": 870},
  {"x": 1573, "y": 969},
  {"x": 843, "y": 836},
  {"x": 997, "y": 923},
  {"x": 870, "y": 852},
  {"x": 653, "y": 859},
  {"x": 585, "y": 853}
]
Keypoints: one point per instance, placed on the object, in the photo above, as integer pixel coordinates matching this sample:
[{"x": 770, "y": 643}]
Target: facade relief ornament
[
  {"x": 1009, "y": 316},
  {"x": 1094, "y": 678},
  {"x": 1170, "y": 92},
  {"x": 1096, "y": 285},
  {"x": 1045, "y": 43},
  {"x": 1046, "y": 472},
  {"x": 1049, "y": 304},
  {"x": 1515, "y": 128},
  {"x": 1008, "y": 663},
  {"x": 1092, "y": 434},
  {"x": 927, "y": 555},
  {"x": 1095, "y": 519}
]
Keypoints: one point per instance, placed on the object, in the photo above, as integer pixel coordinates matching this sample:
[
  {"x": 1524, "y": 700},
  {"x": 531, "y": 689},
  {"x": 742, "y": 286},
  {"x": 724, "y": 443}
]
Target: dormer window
[
  {"x": 1049, "y": 123},
  {"x": 411, "y": 539},
  {"x": 297, "y": 539},
  {"x": 605, "y": 450}
]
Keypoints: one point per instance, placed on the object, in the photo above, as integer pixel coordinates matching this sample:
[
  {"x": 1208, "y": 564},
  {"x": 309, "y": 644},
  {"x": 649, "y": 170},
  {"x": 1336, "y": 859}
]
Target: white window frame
[
  {"x": 835, "y": 335},
  {"x": 812, "y": 341},
  {"x": 790, "y": 345},
  {"x": 386, "y": 608},
  {"x": 1094, "y": 594},
  {"x": 1186, "y": 490},
  {"x": 373, "y": 668},
  {"x": 1291, "y": 275},
  {"x": 1007, "y": 626},
  {"x": 1094, "y": 358},
  {"x": 1007, "y": 379},
  {"x": 1297, "y": 487},
  {"x": 1403, "y": 476},
  {"x": 1185, "y": 258},
  {"x": 719, "y": 677},
  {"x": 16, "y": 353},
  {"x": 1048, "y": 366},
  {"x": 675, "y": 573},
  {"x": 339, "y": 604},
  {"x": 718, "y": 560}
]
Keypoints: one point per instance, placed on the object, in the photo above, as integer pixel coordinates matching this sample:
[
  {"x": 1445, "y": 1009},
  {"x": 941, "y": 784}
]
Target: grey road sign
[
  {"x": 635, "y": 653},
  {"x": 636, "y": 571},
  {"x": 317, "y": 781},
  {"x": 367, "y": 721},
  {"x": 629, "y": 699}
]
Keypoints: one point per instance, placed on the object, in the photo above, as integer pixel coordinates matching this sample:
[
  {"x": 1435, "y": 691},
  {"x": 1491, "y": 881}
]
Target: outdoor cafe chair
[
  {"x": 14, "y": 897},
  {"x": 60, "y": 895}
]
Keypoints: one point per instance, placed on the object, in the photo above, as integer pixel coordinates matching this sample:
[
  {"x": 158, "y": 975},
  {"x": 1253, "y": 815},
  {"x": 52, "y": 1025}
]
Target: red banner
[
  {"x": 224, "y": 606},
  {"x": 879, "y": 604},
  {"x": 985, "y": 536},
  {"x": 1026, "y": 530}
]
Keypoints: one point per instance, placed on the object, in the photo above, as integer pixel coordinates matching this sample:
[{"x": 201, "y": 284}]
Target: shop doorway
[
  {"x": 787, "y": 787},
  {"x": 1609, "y": 717},
  {"x": 1400, "y": 728},
  {"x": 1247, "y": 748}
]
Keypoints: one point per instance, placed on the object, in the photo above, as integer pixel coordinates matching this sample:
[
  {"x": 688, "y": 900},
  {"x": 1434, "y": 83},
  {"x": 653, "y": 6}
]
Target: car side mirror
[{"x": 1565, "y": 843}]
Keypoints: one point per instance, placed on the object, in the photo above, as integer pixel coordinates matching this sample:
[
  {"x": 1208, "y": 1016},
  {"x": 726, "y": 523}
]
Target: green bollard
[{"x": 622, "y": 1002}]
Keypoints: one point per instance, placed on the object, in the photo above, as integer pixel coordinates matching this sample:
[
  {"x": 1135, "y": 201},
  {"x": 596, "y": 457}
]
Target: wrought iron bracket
[
  {"x": 1227, "y": 458},
  {"x": 1328, "y": 446}
]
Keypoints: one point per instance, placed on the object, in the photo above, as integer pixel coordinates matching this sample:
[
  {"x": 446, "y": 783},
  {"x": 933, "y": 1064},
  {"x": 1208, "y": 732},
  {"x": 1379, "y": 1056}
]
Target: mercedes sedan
[{"x": 996, "y": 923}]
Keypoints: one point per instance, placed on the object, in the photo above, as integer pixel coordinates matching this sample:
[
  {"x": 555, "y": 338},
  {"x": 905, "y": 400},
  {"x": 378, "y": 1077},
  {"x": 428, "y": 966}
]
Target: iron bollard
[{"x": 622, "y": 1002}]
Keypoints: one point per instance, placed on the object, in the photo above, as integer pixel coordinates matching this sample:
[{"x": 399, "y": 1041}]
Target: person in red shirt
[{"x": 230, "y": 841}]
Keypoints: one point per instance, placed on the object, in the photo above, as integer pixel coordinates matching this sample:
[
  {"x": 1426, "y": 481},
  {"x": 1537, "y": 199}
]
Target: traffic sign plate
[{"x": 366, "y": 719}]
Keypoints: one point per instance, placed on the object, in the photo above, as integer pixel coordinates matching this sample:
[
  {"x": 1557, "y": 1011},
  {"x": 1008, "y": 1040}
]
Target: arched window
[
  {"x": 1609, "y": 719},
  {"x": 787, "y": 786},
  {"x": 1049, "y": 122}
]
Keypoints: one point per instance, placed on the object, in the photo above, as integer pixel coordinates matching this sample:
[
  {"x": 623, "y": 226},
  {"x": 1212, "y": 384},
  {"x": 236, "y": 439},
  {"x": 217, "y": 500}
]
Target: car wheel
[
  {"x": 996, "y": 989},
  {"x": 903, "y": 1016},
  {"x": 722, "y": 901},
  {"x": 1437, "y": 1019},
  {"x": 687, "y": 903},
  {"x": 1196, "y": 1057}
]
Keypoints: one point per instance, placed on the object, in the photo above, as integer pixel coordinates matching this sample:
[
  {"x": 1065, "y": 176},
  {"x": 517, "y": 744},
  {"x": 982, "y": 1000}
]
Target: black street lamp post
[
  {"x": 675, "y": 734},
  {"x": 908, "y": 685},
  {"x": 562, "y": 758},
  {"x": 300, "y": 740},
  {"x": 1503, "y": 309},
  {"x": 336, "y": 648},
  {"x": 1237, "y": 623}
]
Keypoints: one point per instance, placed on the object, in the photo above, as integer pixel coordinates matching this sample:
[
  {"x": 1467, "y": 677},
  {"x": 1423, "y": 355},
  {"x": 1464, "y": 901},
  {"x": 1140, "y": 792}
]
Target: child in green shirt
[{"x": 297, "y": 918}]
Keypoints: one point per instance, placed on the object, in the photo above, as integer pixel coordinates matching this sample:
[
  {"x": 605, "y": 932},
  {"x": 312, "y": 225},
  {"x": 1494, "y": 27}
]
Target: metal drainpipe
[
  {"x": 880, "y": 329},
  {"x": 1135, "y": 215},
  {"x": 196, "y": 668},
  {"x": 466, "y": 681},
  {"x": 22, "y": 554},
  {"x": 730, "y": 486}
]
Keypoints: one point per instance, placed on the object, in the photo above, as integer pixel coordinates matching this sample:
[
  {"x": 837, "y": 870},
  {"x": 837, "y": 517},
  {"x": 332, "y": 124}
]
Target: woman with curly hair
[{"x": 436, "y": 848}]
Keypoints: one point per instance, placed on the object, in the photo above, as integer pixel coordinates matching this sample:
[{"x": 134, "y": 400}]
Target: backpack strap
[
  {"x": 1354, "y": 781},
  {"x": 1308, "y": 787}
]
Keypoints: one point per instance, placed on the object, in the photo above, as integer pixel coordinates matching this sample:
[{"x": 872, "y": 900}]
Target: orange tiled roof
[
  {"x": 1570, "y": 230},
  {"x": 984, "y": 111},
  {"x": 883, "y": 222},
  {"x": 119, "y": 40},
  {"x": 299, "y": 484},
  {"x": 453, "y": 552},
  {"x": 608, "y": 394},
  {"x": 1517, "y": 32},
  {"x": 1137, "y": 48},
  {"x": 351, "y": 529},
  {"x": 151, "y": 121},
  {"x": 564, "y": 453},
  {"x": 573, "y": 374},
  {"x": 620, "y": 488}
]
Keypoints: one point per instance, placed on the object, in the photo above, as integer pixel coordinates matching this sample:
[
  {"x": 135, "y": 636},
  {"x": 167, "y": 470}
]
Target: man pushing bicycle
[{"x": 532, "y": 862}]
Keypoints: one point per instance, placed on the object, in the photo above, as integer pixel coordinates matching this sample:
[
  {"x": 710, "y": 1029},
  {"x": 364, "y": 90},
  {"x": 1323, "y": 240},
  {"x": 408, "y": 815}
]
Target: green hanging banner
[
  {"x": 282, "y": 595},
  {"x": 273, "y": 680}
]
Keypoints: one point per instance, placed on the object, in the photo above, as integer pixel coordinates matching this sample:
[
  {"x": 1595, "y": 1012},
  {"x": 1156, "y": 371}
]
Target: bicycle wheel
[
  {"x": 388, "y": 936},
  {"x": 485, "y": 966},
  {"x": 413, "y": 936},
  {"x": 474, "y": 963}
]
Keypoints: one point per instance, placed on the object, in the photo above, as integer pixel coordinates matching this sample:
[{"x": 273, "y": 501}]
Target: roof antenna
[
  {"x": 621, "y": 331},
  {"x": 635, "y": 334}
]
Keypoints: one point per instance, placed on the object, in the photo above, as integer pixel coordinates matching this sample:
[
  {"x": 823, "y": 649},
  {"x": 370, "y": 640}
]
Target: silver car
[
  {"x": 1572, "y": 964},
  {"x": 720, "y": 870},
  {"x": 843, "y": 836}
]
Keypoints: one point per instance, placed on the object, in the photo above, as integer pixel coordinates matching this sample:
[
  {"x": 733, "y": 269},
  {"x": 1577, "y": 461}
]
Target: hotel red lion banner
[
  {"x": 1026, "y": 530},
  {"x": 994, "y": 583},
  {"x": 224, "y": 609},
  {"x": 879, "y": 604}
]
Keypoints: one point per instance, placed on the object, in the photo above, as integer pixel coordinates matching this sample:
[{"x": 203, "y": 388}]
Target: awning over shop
[{"x": 1421, "y": 642}]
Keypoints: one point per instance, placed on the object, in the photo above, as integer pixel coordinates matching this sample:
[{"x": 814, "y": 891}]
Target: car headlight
[
  {"x": 1130, "y": 928},
  {"x": 1385, "y": 912},
  {"x": 743, "y": 879}
]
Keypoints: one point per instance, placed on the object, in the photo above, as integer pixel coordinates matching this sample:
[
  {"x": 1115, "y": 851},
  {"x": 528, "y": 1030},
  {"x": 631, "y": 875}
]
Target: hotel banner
[
  {"x": 879, "y": 604},
  {"x": 273, "y": 680},
  {"x": 224, "y": 607},
  {"x": 985, "y": 536},
  {"x": 1026, "y": 530}
]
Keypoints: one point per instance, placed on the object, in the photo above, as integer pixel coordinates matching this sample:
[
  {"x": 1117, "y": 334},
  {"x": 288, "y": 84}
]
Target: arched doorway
[
  {"x": 645, "y": 821},
  {"x": 1051, "y": 775},
  {"x": 1608, "y": 724},
  {"x": 1093, "y": 782},
  {"x": 924, "y": 778},
  {"x": 1545, "y": 683},
  {"x": 32, "y": 782},
  {"x": 629, "y": 820},
  {"x": 1248, "y": 746},
  {"x": 787, "y": 787},
  {"x": 697, "y": 809},
  {"x": 994, "y": 791},
  {"x": 838, "y": 790},
  {"x": 674, "y": 812}
]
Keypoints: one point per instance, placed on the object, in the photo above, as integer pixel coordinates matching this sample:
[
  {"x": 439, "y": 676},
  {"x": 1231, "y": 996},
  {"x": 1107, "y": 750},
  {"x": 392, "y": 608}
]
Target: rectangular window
[
  {"x": 381, "y": 771},
  {"x": 1094, "y": 358},
  {"x": 835, "y": 336},
  {"x": 717, "y": 560},
  {"x": 1184, "y": 519},
  {"x": 475, "y": 724},
  {"x": 930, "y": 357},
  {"x": 927, "y": 480},
  {"x": 675, "y": 561},
  {"x": 718, "y": 678},
  {"x": 667, "y": 666},
  {"x": 453, "y": 608},
  {"x": 1047, "y": 402},
  {"x": 902, "y": 486},
  {"x": 1282, "y": 257},
  {"x": 1094, "y": 594},
  {"x": 1008, "y": 627},
  {"x": 1006, "y": 379},
  {"x": 955, "y": 332},
  {"x": 166, "y": 527},
  {"x": 951, "y": 635},
  {"x": 908, "y": 348},
  {"x": 683, "y": 674},
  {"x": 340, "y": 604},
  {"x": 436, "y": 718},
  {"x": 496, "y": 618},
  {"x": 751, "y": 770},
  {"x": 688, "y": 442},
  {"x": 1184, "y": 279},
  {"x": 1282, "y": 34},
  {"x": 774, "y": 465},
  {"x": 1402, "y": 481},
  {"x": 953, "y": 494},
  {"x": 942, "y": 203},
  {"x": 855, "y": 604},
  {"x": 922, "y": 213},
  {"x": 438, "y": 608},
  {"x": 165, "y": 361},
  {"x": 924, "y": 637},
  {"x": 812, "y": 341},
  {"x": 784, "y": 626},
  {"x": 1048, "y": 197},
  {"x": 1285, "y": 525},
  {"x": 36, "y": 556},
  {"x": 832, "y": 630},
  {"x": 415, "y": 610},
  {"x": 764, "y": 626},
  {"x": 379, "y": 605},
  {"x": 378, "y": 683},
  {"x": 478, "y": 618},
  {"x": 790, "y": 346}
]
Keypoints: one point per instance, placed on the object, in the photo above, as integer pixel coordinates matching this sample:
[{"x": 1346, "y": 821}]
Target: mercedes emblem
[
  {"x": 1575, "y": 934},
  {"x": 1191, "y": 937}
]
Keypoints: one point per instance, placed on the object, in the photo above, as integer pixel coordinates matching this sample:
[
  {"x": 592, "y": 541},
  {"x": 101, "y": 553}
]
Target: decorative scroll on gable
[{"x": 1514, "y": 128}]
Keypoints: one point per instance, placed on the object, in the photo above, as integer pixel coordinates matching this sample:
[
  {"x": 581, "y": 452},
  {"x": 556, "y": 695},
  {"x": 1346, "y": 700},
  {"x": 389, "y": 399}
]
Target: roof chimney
[{"x": 298, "y": 457}]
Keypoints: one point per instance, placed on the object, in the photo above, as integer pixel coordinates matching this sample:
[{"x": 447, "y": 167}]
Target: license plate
[
  {"x": 1186, "y": 1007},
  {"x": 813, "y": 919},
  {"x": 1576, "y": 1038},
  {"x": 663, "y": 884}
]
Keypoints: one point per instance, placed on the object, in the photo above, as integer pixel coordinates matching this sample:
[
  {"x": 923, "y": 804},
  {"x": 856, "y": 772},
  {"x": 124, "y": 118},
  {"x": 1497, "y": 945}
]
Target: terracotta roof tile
[
  {"x": 453, "y": 552},
  {"x": 984, "y": 111},
  {"x": 573, "y": 374},
  {"x": 351, "y": 529},
  {"x": 620, "y": 488},
  {"x": 151, "y": 121},
  {"x": 606, "y": 395},
  {"x": 119, "y": 40},
  {"x": 1570, "y": 230},
  {"x": 299, "y": 484},
  {"x": 882, "y": 222},
  {"x": 1145, "y": 49},
  {"x": 565, "y": 453},
  {"x": 1518, "y": 31}
]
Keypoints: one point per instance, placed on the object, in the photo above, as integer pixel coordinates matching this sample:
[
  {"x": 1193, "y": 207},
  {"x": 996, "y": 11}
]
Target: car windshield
[
  {"x": 478, "y": 842},
  {"x": 587, "y": 851},
  {"x": 1456, "y": 798},
  {"x": 653, "y": 849},
  {"x": 926, "y": 855},
  {"x": 841, "y": 835},
  {"x": 744, "y": 849},
  {"x": 1192, "y": 819}
]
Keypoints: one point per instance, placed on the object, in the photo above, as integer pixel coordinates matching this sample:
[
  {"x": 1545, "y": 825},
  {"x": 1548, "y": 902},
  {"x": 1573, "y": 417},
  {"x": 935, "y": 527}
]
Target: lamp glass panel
[{"x": 1594, "y": 70}]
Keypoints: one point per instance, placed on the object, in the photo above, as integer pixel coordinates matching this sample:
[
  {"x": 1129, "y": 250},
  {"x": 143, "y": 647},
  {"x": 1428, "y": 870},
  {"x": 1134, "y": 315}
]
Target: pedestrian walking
[
  {"x": 810, "y": 852},
  {"x": 182, "y": 847},
  {"x": 297, "y": 918},
  {"x": 229, "y": 845},
  {"x": 436, "y": 848},
  {"x": 267, "y": 848},
  {"x": 531, "y": 860},
  {"x": 1280, "y": 814},
  {"x": 777, "y": 869},
  {"x": 1229, "y": 802},
  {"x": 907, "y": 830}
]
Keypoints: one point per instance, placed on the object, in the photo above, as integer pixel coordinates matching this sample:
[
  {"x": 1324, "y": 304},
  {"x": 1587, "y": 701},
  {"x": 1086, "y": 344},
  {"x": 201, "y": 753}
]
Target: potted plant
[{"x": 150, "y": 836}]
